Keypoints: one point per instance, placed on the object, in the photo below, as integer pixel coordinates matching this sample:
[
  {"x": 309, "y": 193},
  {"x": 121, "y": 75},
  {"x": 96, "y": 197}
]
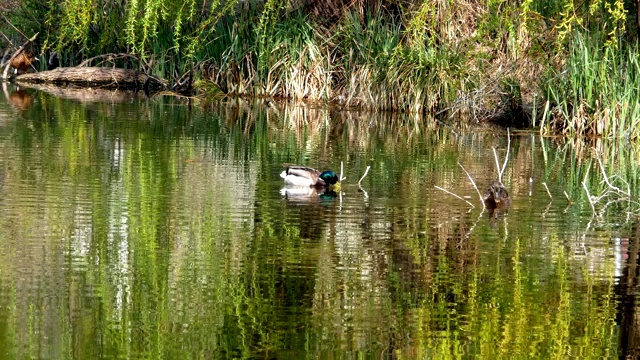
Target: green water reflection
[{"x": 155, "y": 228}]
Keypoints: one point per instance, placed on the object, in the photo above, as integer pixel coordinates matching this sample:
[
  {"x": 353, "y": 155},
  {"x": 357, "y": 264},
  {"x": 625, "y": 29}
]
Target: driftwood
[{"x": 107, "y": 78}]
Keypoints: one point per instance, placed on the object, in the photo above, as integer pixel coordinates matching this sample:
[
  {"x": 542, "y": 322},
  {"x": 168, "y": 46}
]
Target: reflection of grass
[{"x": 512, "y": 311}]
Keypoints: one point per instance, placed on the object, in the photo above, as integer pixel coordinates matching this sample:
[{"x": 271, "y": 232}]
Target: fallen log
[{"x": 107, "y": 78}]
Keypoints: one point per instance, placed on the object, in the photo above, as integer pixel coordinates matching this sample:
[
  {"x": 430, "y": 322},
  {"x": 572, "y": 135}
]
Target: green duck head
[{"x": 329, "y": 177}]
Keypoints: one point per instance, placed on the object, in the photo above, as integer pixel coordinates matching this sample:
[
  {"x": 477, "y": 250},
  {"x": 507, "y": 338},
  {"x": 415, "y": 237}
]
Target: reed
[{"x": 597, "y": 92}]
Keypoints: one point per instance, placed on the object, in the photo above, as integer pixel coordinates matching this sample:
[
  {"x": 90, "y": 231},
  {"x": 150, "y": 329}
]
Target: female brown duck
[
  {"x": 496, "y": 195},
  {"x": 23, "y": 60}
]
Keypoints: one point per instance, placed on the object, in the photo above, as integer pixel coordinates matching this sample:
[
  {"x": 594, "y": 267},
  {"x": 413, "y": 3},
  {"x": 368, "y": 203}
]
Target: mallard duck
[
  {"x": 296, "y": 175},
  {"x": 496, "y": 195}
]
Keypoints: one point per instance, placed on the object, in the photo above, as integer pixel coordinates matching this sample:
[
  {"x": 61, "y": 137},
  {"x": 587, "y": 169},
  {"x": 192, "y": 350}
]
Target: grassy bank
[
  {"x": 596, "y": 93},
  {"x": 559, "y": 66}
]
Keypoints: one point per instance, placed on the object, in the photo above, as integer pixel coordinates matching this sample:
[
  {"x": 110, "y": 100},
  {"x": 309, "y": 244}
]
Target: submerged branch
[
  {"x": 363, "y": 176},
  {"x": 506, "y": 158},
  {"x": 548, "y": 192},
  {"x": 586, "y": 189},
  {"x": 457, "y": 196},
  {"x": 474, "y": 186},
  {"x": 606, "y": 179},
  {"x": 495, "y": 156}
]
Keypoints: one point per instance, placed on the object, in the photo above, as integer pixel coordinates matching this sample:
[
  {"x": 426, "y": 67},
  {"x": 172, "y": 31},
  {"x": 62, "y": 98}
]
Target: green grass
[{"x": 596, "y": 93}]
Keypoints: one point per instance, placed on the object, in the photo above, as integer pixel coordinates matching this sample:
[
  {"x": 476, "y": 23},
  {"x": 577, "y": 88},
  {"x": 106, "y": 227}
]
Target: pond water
[{"x": 156, "y": 228}]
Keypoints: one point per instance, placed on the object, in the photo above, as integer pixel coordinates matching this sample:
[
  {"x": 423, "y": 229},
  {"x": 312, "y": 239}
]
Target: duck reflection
[
  {"x": 312, "y": 207},
  {"x": 20, "y": 100},
  {"x": 307, "y": 195}
]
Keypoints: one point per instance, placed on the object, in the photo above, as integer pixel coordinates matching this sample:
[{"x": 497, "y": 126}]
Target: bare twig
[
  {"x": 584, "y": 185},
  {"x": 4, "y": 56},
  {"x": 457, "y": 196},
  {"x": 365, "y": 174},
  {"x": 546, "y": 210},
  {"x": 591, "y": 201},
  {"x": 548, "y": 192},
  {"x": 8, "y": 41},
  {"x": 14, "y": 28},
  {"x": 474, "y": 186},
  {"x": 466, "y": 236},
  {"x": 495, "y": 156},
  {"x": 567, "y": 196},
  {"x": 506, "y": 158},
  {"x": 341, "y": 171}
]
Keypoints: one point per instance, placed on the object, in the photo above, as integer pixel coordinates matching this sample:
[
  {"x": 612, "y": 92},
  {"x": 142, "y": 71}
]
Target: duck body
[
  {"x": 496, "y": 195},
  {"x": 303, "y": 176},
  {"x": 23, "y": 61}
]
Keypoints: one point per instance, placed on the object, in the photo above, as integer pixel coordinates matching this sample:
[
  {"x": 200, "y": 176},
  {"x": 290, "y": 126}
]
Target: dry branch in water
[
  {"x": 606, "y": 179},
  {"x": 548, "y": 192},
  {"x": 474, "y": 186},
  {"x": 504, "y": 164},
  {"x": 365, "y": 174},
  {"x": 459, "y": 197},
  {"x": 593, "y": 199}
]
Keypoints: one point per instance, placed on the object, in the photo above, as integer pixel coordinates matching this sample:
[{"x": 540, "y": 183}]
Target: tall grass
[
  {"x": 597, "y": 92},
  {"x": 422, "y": 57},
  {"x": 364, "y": 65}
]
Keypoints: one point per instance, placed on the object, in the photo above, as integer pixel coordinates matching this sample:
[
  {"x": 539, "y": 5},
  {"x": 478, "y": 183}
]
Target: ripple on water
[{"x": 185, "y": 243}]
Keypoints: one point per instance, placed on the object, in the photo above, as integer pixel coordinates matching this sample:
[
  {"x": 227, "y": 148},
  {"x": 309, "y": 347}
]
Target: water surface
[{"x": 156, "y": 228}]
